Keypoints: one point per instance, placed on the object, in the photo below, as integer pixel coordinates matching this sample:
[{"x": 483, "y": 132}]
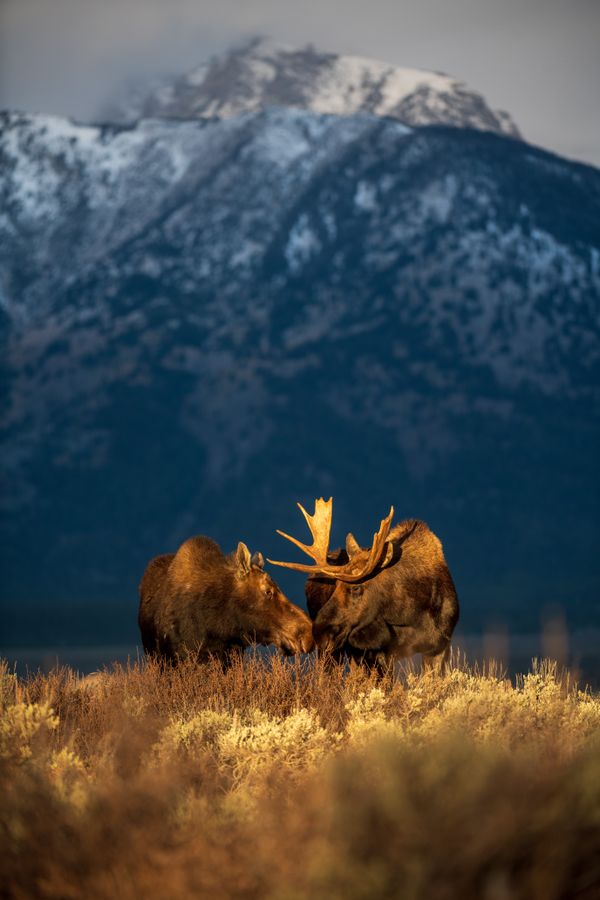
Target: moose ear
[
  {"x": 258, "y": 560},
  {"x": 242, "y": 558},
  {"x": 352, "y": 545},
  {"x": 388, "y": 555}
]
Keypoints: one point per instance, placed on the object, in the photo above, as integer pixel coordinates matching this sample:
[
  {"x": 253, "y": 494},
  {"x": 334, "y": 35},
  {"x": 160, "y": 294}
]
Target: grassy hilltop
[{"x": 290, "y": 780}]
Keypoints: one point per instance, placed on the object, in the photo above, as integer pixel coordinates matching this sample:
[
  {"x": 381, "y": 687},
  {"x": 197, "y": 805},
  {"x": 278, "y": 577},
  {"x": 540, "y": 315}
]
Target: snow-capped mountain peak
[{"x": 264, "y": 73}]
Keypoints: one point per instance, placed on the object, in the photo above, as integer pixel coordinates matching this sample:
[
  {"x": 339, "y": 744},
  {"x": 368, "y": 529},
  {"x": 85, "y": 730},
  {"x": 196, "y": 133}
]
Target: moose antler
[
  {"x": 359, "y": 566},
  {"x": 320, "y": 528}
]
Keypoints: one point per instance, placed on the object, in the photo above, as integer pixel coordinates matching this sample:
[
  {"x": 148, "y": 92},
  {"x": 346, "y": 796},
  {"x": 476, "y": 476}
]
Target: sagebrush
[{"x": 296, "y": 780}]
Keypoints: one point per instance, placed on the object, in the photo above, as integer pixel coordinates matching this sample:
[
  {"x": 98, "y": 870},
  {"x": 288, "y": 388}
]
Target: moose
[
  {"x": 200, "y": 602},
  {"x": 383, "y": 602}
]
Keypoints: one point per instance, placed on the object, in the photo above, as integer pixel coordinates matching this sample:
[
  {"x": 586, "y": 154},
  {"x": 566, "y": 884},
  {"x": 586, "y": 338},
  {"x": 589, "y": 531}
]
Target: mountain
[
  {"x": 286, "y": 274},
  {"x": 206, "y": 320},
  {"x": 263, "y": 74}
]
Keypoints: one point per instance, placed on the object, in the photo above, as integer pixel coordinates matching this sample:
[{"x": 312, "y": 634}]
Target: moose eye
[{"x": 269, "y": 593}]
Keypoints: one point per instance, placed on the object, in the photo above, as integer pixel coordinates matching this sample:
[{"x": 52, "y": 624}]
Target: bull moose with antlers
[{"x": 380, "y": 603}]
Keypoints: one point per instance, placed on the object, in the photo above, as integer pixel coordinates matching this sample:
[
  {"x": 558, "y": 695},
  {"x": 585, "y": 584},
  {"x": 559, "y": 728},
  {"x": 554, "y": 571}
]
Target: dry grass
[{"x": 297, "y": 780}]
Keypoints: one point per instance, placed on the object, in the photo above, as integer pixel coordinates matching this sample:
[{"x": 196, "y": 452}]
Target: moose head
[{"x": 351, "y": 610}]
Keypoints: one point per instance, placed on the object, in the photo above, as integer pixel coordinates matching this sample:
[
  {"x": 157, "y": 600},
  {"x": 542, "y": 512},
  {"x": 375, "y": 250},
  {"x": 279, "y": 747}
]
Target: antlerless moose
[{"x": 200, "y": 602}]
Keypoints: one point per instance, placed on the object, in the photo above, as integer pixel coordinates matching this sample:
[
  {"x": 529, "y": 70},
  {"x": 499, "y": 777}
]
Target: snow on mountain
[
  {"x": 264, "y": 73},
  {"x": 76, "y": 192},
  {"x": 89, "y": 192}
]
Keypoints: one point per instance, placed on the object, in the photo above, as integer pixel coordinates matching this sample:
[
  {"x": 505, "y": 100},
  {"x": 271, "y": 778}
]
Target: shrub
[{"x": 299, "y": 779}]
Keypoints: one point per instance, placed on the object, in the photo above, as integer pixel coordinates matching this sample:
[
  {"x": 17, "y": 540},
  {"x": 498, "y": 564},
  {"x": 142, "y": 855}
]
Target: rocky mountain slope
[
  {"x": 206, "y": 320},
  {"x": 263, "y": 74}
]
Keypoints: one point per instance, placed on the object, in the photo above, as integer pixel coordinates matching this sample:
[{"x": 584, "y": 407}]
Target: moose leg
[
  {"x": 369, "y": 644},
  {"x": 436, "y": 662},
  {"x": 333, "y": 658},
  {"x": 231, "y": 655},
  {"x": 380, "y": 663}
]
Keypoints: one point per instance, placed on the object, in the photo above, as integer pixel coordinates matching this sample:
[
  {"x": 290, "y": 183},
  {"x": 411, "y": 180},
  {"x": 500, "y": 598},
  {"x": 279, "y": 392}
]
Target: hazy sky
[{"x": 538, "y": 59}]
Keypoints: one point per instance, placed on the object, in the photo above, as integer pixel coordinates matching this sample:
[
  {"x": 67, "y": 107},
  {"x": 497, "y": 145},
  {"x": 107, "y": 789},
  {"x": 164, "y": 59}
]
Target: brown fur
[
  {"x": 408, "y": 607},
  {"x": 199, "y": 601}
]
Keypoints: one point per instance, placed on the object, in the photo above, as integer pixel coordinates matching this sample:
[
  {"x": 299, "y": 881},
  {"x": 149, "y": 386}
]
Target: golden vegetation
[{"x": 298, "y": 780}]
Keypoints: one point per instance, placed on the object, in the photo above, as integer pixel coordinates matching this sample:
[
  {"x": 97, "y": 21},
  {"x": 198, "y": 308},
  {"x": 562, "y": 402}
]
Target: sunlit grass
[{"x": 298, "y": 779}]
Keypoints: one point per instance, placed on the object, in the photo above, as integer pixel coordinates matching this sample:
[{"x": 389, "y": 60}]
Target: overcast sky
[{"x": 538, "y": 59}]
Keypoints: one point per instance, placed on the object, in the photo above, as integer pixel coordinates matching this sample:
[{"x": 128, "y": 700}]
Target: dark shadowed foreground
[{"x": 290, "y": 779}]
